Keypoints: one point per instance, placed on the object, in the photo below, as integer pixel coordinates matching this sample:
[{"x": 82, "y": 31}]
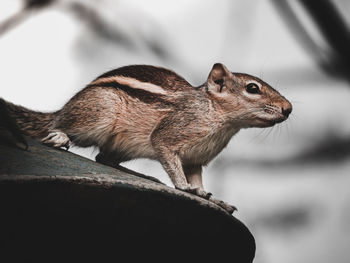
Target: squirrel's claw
[{"x": 229, "y": 208}]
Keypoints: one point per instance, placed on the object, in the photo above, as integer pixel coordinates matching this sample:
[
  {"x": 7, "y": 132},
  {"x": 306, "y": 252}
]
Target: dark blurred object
[
  {"x": 8, "y": 125},
  {"x": 54, "y": 200},
  {"x": 31, "y": 4},
  {"x": 333, "y": 28},
  {"x": 287, "y": 219},
  {"x": 331, "y": 149}
]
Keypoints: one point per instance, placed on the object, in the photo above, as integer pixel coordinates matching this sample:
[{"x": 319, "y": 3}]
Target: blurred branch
[
  {"x": 333, "y": 29},
  {"x": 13, "y": 21},
  {"x": 131, "y": 37},
  {"x": 21, "y": 15},
  {"x": 110, "y": 31},
  {"x": 37, "y": 4},
  {"x": 98, "y": 25},
  {"x": 291, "y": 20}
]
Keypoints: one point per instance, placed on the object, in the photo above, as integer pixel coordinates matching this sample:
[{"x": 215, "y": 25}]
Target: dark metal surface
[{"x": 50, "y": 196}]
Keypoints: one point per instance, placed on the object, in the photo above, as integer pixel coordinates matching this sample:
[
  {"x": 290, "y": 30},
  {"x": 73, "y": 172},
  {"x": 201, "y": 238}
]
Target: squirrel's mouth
[
  {"x": 269, "y": 122},
  {"x": 272, "y": 115},
  {"x": 269, "y": 116}
]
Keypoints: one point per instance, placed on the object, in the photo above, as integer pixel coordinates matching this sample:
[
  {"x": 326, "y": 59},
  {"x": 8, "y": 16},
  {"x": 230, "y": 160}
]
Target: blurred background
[{"x": 291, "y": 182}]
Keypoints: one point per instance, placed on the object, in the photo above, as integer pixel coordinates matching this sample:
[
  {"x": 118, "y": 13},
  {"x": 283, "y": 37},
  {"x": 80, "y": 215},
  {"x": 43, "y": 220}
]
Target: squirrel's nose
[{"x": 287, "y": 109}]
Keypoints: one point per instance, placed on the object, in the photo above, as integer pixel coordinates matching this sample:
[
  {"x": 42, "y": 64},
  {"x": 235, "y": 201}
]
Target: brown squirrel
[{"x": 151, "y": 112}]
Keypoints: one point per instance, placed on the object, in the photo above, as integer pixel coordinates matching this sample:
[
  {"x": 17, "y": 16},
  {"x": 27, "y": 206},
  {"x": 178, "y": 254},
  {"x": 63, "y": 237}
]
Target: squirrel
[{"x": 143, "y": 111}]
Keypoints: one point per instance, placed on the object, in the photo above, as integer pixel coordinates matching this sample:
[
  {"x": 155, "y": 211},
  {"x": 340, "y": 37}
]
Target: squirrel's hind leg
[{"x": 113, "y": 159}]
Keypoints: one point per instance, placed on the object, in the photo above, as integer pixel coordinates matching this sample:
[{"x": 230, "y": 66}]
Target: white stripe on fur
[{"x": 133, "y": 83}]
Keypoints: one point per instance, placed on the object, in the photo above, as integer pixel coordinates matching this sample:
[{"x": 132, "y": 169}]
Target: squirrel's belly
[
  {"x": 133, "y": 145},
  {"x": 200, "y": 154},
  {"x": 132, "y": 138},
  {"x": 203, "y": 150},
  {"x": 132, "y": 131}
]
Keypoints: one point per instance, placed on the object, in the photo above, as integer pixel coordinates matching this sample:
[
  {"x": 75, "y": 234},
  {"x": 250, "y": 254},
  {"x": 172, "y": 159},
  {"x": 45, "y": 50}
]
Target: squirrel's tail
[{"x": 31, "y": 123}]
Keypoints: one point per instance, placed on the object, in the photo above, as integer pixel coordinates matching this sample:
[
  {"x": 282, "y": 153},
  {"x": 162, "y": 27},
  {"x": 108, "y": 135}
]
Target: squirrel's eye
[
  {"x": 252, "y": 88},
  {"x": 219, "y": 81}
]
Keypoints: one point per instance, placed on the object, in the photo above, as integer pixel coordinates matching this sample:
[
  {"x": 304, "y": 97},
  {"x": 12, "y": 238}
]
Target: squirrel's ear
[{"x": 217, "y": 76}]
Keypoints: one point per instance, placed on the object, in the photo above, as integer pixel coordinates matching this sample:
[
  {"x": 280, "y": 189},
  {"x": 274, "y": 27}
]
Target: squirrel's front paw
[
  {"x": 196, "y": 191},
  {"x": 57, "y": 139},
  {"x": 229, "y": 208},
  {"x": 200, "y": 192}
]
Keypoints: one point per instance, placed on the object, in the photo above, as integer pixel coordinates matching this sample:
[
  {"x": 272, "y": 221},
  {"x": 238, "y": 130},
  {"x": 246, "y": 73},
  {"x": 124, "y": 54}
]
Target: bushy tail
[{"x": 30, "y": 123}]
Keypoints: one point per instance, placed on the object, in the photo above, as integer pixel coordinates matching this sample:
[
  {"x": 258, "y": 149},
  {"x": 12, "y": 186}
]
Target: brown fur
[
  {"x": 32, "y": 123},
  {"x": 149, "y": 112}
]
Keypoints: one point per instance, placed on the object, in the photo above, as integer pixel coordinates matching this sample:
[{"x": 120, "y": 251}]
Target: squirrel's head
[{"x": 245, "y": 99}]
